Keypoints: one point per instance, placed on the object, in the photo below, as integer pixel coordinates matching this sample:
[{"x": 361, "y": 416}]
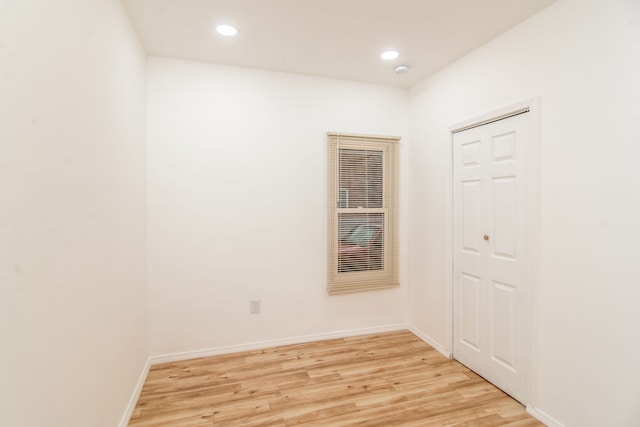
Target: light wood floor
[{"x": 391, "y": 379}]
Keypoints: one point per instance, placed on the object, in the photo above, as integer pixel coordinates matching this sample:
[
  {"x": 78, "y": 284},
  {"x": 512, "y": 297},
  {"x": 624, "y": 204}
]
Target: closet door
[{"x": 491, "y": 251}]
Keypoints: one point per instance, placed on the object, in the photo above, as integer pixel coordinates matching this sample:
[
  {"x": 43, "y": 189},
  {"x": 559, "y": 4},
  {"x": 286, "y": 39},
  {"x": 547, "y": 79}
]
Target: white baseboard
[
  {"x": 175, "y": 357},
  {"x": 124, "y": 421},
  {"x": 258, "y": 345},
  {"x": 543, "y": 417},
  {"x": 433, "y": 343}
]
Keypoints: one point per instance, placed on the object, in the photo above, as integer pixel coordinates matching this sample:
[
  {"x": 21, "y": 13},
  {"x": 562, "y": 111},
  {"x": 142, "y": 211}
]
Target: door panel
[
  {"x": 491, "y": 252},
  {"x": 471, "y": 153},
  {"x": 470, "y": 334},
  {"x": 503, "y": 324},
  {"x": 505, "y": 217},
  {"x": 504, "y": 147},
  {"x": 471, "y": 236}
]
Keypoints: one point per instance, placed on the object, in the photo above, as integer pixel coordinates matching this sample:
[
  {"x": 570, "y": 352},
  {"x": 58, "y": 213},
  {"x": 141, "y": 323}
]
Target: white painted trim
[
  {"x": 175, "y": 357},
  {"x": 533, "y": 173},
  {"x": 258, "y": 345},
  {"x": 533, "y": 166},
  {"x": 133, "y": 400},
  {"x": 448, "y": 308},
  {"x": 430, "y": 341},
  {"x": 543, "y": 417}
]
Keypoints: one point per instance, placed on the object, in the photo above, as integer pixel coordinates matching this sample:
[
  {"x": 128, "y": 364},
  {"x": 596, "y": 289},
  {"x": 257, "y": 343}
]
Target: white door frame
[{"x": 532, "y": 165}]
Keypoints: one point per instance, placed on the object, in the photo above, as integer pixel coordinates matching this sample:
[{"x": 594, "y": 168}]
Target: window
[{"x": 362, "y": 230}]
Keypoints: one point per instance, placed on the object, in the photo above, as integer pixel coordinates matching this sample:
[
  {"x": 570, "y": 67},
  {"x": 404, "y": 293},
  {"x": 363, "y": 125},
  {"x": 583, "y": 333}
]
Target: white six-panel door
[{"x": 491, "y": 251}]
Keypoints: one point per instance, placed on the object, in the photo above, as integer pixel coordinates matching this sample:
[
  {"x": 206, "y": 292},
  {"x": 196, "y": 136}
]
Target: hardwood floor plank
[{"x": 390, "y": 379}]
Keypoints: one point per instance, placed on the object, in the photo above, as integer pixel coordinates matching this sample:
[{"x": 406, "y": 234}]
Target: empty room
[{"x": 319, "y": 212}]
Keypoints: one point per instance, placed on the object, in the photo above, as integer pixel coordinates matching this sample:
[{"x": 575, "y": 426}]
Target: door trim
[
  {"x": 492, "y": 119},
  {"x": 532, "y": 166}
]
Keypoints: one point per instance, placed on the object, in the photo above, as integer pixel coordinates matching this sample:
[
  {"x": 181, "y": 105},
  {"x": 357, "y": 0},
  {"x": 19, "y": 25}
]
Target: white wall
[
  {"x": 232, "y": 158},
  {"x": 237, "y": 203},
  {"x": 583, "y": 59},
  {"x": 72, "y": 215}
]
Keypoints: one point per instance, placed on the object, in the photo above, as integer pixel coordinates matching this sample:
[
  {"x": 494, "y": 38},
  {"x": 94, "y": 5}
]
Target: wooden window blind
[{"x": 362, "y": 212}]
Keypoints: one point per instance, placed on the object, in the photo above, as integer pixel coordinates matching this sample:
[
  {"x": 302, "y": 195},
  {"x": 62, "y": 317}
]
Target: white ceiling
[{"x": 330, "y": 38}]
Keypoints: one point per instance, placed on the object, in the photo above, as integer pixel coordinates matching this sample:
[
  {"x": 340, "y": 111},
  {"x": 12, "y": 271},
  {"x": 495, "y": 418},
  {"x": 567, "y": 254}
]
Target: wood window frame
[{"x": 388, "y": 276}]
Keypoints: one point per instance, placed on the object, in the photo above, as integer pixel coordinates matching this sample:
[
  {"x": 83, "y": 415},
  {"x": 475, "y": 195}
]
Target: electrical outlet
[{"x": 255, "y": 306}]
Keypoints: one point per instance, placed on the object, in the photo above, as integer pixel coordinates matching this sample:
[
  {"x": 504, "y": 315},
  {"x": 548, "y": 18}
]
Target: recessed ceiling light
[
  {"x": 401, "y": 69},
  {"x": 388, "y": 55},
  {"x": 226, "y": 30}
]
